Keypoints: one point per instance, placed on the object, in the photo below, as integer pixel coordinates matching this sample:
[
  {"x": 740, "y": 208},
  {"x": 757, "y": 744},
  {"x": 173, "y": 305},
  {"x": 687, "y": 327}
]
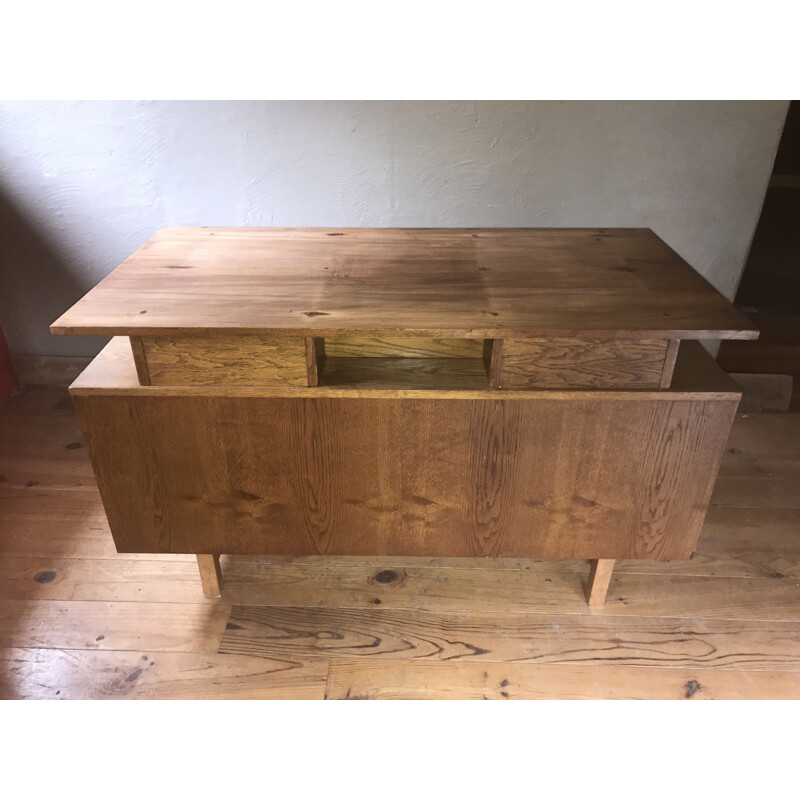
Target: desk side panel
[{"x": 419, "y": 477}]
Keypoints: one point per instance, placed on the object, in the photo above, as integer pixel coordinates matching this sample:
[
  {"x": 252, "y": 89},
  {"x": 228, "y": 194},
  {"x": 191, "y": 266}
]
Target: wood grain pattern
[
  {"x": 38, "y": 517},
  {"x": 527, "y": 589},
  {"x": 359, "y": 679},
  {"x": 712, "y": 590},
  {"x": 103, "y": 577},
  {"x": 505, "y": 585},
  {"x": 442, "y": 283},
  {"x": 41, "y": 674},
  {"x": 246, "y": 360},
  {"x": 337, "y": 476},
  {"x": 709, "y": 598},
  {"x": 558, "y": 363},
  {"x": 446, "y": 374},
  {"x": 697, "y": 377},
  {"x": 440, "y": 624},
  {"x": 408, "y": 347},
  {"x": 530, "y": 588},
  {"x": 546, "y": 638},
  {"x": 722, "y": 557},
  {"x": 493, "y": 361}
]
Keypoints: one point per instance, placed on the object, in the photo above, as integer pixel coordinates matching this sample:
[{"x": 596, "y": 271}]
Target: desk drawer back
[
  {"x": 564, "y": 363},
  {"x": 264, "y": 360}
]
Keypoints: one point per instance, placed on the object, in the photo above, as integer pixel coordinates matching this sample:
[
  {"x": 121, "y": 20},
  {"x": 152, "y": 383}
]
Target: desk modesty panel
[
  {"x": 521, "y": 393},
  {"x": 421, "y": 473}
]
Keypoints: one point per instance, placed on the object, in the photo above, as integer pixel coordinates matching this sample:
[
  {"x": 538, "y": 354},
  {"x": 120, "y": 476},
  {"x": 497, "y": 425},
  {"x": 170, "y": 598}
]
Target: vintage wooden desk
[{"x": 505, "y": 393}]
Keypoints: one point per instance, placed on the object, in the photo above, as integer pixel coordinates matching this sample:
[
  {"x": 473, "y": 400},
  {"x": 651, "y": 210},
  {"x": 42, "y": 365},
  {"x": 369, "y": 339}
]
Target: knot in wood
[{"x": 386, "y": 576}]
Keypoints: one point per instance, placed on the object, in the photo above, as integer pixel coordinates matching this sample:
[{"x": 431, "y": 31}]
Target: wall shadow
[{"x": 37, "y": 285}]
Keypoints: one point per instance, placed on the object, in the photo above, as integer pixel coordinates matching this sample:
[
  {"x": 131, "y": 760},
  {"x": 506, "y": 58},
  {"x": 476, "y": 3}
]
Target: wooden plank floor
[{"x": 79, "y": 621}]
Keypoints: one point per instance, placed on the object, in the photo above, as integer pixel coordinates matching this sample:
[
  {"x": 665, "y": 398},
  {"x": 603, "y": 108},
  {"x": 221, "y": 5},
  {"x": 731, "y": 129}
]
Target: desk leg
[
  {"x": 599, "y": 578},
  {"x": 210, "y": 575}
]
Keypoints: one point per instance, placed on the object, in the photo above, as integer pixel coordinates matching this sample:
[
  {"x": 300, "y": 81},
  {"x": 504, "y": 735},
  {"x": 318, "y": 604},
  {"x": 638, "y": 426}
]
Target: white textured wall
[{"x": 83, "y": 184}]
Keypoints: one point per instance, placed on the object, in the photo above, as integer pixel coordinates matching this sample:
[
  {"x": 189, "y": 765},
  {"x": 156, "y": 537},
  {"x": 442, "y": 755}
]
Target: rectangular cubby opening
[{"x": 401, "y": 363}]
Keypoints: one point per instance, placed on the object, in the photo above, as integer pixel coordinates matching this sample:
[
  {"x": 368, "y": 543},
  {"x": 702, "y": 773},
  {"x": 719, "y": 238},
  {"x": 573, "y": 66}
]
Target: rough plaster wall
[{"x": 83, "y": 184}]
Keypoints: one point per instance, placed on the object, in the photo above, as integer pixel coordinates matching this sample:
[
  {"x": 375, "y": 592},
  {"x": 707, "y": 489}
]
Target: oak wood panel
[
  {"x": 41, "y": 674},
  {"x": 443, "y": 283},
  {"x": 37, "y": 458},
  {"x": 339, "y": 476},
  {"x": 697, "y": 377},
  {"x": 558, "y": 363},
  {"x": 553, "y": 638},
  {"x": 405, "y": 373},
  {"x": 408, "y": 347},
  {"x": 246, "y": 360},
  {"x": 360, "y": 679},
  {"x": 38, "y": 461}
]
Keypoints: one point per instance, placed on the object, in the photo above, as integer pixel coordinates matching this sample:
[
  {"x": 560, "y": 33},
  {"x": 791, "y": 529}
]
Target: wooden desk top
[{"x": 472, "y": 283}]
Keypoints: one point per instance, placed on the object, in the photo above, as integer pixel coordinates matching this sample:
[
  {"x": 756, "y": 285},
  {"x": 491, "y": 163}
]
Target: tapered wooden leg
[
  {"x": 210, "y": 575},
  {"x": 599, "y": 578}
]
